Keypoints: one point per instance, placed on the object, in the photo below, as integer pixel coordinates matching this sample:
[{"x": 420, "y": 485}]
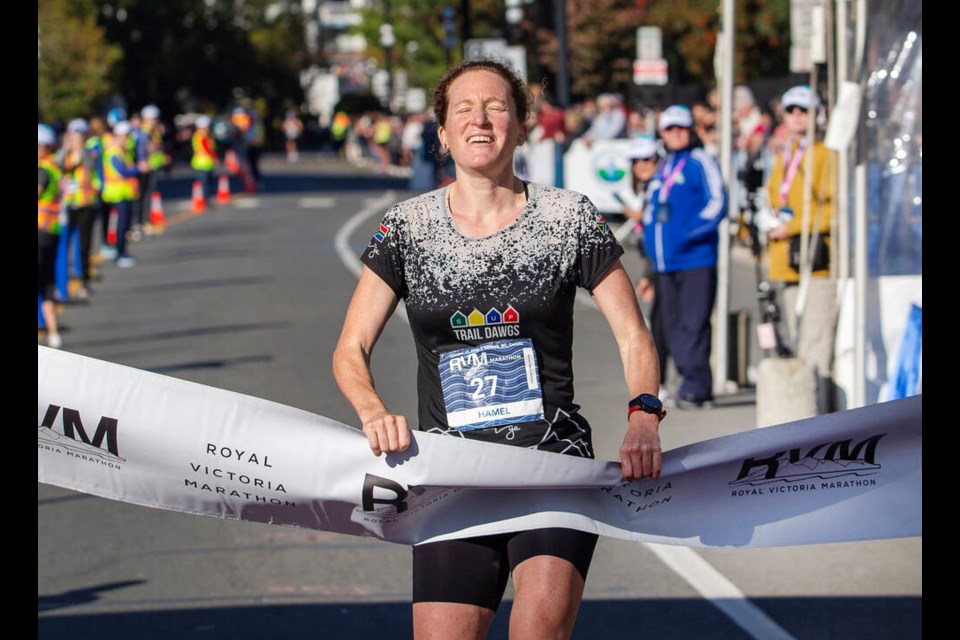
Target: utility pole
[{"x": 563, "y": 57}]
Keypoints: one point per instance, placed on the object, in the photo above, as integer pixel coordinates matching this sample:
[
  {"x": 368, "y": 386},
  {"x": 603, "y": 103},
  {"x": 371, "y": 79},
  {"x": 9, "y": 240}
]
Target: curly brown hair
[{"x": 518, "y": 89}]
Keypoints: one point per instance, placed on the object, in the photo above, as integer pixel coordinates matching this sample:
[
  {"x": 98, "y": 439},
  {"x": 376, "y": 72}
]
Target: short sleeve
[
  {"x": 597, "y": 247},
  {"x": 384, "y": 254}
]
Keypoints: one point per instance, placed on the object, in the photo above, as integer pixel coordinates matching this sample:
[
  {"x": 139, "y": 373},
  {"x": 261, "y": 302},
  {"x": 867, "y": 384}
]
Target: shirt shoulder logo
[{"x": 381, "y": 233}]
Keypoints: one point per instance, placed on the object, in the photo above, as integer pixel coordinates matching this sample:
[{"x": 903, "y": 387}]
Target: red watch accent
[{"x": 634, "y": 408}]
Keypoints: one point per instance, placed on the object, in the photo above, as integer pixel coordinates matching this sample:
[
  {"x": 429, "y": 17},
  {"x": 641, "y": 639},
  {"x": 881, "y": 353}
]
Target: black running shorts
[{"x": 475, "y": 570}]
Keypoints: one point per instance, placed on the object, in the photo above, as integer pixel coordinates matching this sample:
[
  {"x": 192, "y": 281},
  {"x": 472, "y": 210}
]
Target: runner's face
[{"x": 482, "y": 129}]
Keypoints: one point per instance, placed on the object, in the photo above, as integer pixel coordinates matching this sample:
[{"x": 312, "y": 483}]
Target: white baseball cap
[
  {"x": 203, "y": 122},
  {"x": 676, "y": 116},
  {"x": 45, "y": 136},
  {"x": 78, "y": 125},
  {"x": 150, "y": 112},
  {"x": 799, "y": 96},
  {"x": 642, "y": 148},
  {"x": 122, "y": 128}
]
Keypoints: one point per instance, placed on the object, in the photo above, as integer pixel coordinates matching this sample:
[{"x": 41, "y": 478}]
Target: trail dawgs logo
[
  {"x": 73, "y": 439},
  {"x": 826, "y": 461}
]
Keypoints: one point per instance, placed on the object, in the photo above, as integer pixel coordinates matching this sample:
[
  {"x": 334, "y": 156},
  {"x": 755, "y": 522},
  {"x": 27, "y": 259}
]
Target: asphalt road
[{"x": 249, "y": 297}]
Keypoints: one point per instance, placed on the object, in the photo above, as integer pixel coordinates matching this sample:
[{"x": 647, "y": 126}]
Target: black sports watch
[{"x": 648, "y": 403}]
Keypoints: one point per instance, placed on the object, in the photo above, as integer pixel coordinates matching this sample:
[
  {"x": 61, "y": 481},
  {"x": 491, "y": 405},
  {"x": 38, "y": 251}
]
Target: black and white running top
[{"x": 492, "y": 317}]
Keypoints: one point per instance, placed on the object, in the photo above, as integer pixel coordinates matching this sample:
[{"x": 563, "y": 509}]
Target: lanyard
[
  {"x": 668, "y": 182},
  {"x": 791, "y": 170}
]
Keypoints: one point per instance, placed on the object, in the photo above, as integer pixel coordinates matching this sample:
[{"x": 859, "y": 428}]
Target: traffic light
[{"x": 449, "y": 15}]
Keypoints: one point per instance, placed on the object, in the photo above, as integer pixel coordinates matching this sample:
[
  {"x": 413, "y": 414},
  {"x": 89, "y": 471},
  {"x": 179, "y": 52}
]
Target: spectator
[
  {"x": 811, "y": 330},
  {"x": 204, "y": 160},
  {"x": 121, "y": 186},
  {"x": 644, "y": 156},
  {"x": 686, "y": 208},
  {"x": 151, "y": 156},
  {"x": 610, "y": 122},
  {"x": 292, "y": 128},
  {"x": 81, "y": 194},
  {"x": 48, "y": 230}
]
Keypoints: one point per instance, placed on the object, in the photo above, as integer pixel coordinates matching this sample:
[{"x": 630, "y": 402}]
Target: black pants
[
  {"x": 148, "y": 184},
  {"x": 47, "y": 244},
  {"x": 686, "y": 302},
  {"x": 657, "y": 331},
  {"x": 82, "y": 220}
]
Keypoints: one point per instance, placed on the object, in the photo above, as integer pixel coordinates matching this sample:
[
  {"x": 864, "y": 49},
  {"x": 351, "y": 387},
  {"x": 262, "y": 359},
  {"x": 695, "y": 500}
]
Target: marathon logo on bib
[{"x": 490, "y": 385}]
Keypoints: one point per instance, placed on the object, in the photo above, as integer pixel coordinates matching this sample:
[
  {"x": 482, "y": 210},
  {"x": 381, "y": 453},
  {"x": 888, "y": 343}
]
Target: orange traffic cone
[
  {"x": 223, "y": 190},
  {"x": 157, "y": 218},
  {"x": 199, "y": 202},
  {"x": 112, "y": 224},
  {"x": 231, "y": 162}
]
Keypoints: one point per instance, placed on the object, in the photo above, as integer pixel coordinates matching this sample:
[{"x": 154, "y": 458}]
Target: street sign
[
  {"x": 653, "y": 72},
  {"x": 649, "y": 43},
  {"x": 485, "y": 48},
  {"x": 801, "y": 34}
]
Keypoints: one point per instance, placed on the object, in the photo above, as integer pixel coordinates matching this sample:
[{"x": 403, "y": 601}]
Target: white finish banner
[{"x": 139, "y": 437}]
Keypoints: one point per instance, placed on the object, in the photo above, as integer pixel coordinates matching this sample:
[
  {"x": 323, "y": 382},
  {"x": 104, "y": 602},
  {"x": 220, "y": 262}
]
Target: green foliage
[
  {"x": 75, "y": 63},
  {"x": 691, "y": 28},
  {"x": 209, "y": 54},
  {"x": 602, "y": 36},
  {"x": 206, "y": 54},
  {"x": 418, "y": 28}
]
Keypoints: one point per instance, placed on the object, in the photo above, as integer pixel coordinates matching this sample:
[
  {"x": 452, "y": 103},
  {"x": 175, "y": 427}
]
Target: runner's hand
[
  {"x": 386, "y": 432},
  {"x": 640, "y": 453}
]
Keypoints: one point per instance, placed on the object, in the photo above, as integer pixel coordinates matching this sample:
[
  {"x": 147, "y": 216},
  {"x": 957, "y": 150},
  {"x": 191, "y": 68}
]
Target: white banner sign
[
  {"x": 151, "y": 440},
  {"x": 598, "y": 171}
]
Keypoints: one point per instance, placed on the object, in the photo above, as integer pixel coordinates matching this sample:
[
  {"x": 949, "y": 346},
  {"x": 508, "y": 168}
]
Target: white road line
[
  {"x": 719, "y": 591},
  {"x": 342, "y": 241},
  {"x": 316, "y": 203},
  {"x": 685, "y": 562}
]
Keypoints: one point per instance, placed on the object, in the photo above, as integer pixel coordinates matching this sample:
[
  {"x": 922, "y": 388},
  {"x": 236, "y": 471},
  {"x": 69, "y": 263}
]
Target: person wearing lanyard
[
  {"x": 814, "y": 337},
  {"x": 488, "y": 267},
  {"x": 686, "y": 208},
  {"x": 644, "y": 155}
]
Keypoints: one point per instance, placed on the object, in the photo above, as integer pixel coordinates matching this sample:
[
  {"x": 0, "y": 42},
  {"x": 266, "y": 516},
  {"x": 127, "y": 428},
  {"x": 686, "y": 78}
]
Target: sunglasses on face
[
  {"x": 793, "y": 108},
  {"x": 643, "y": 159}
]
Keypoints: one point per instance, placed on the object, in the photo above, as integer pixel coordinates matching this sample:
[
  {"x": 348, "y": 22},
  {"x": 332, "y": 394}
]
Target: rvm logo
[
  {"x": 398, "y": 500},
  {"x": 73, "y": 428},
  {"x": 829, "y": 457}
]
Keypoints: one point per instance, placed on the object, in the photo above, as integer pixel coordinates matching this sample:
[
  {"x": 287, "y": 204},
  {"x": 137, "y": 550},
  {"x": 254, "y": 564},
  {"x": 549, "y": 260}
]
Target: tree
[
  {"x": 690, "y": 31},
  {"x": 602, "y": 37},
  {"x": 75, "y": 61},
  {"x": 418, "y": 28}
]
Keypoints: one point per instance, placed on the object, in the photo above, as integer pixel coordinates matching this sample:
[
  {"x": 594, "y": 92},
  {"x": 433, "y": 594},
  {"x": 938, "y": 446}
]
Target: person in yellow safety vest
[
  {"x": 81, "y": 193},
  {"x": 338, "y": 129},
  {"x": 48, "y": 230},
  {"x": 120, "y": 186},
  {"x": 95, "y": 145},
  {"x": 204, "y": 160},
  {"x": 135, "y": 233},
  {"x": 151, "y": 158}
]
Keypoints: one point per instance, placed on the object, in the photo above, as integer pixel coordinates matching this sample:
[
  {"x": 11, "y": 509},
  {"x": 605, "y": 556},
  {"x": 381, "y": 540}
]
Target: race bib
[{"x": 492, "y": 384}]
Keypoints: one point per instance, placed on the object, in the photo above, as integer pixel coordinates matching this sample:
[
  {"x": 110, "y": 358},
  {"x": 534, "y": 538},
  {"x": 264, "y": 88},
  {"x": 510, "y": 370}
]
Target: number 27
[{"x": 480, "y": 383}]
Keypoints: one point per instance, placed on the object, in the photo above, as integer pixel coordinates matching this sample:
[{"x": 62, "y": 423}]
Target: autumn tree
[{"x": 74, "y": 60}]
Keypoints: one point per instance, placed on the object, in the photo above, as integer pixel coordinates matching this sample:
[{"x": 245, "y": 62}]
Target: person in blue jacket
[{"x": 687, "y": 205}]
